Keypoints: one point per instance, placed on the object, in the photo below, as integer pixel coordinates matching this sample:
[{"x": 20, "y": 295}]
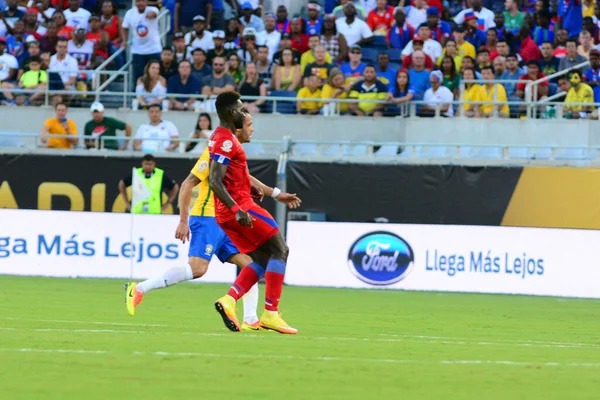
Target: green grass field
[{"x": 72, "y": 339}]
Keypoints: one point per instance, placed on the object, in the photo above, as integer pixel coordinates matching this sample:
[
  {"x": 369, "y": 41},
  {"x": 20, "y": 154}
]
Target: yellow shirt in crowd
[
  {"x": 305, "y": 93},
  {"x": 55, "y": 128},
  {"x": 308, "y": 58},
  {"x": 585, "y": 94},
  {"x": 485, "y": 94},
  {"x": 466, "y": 49},
  {"x": 327, "y": 93},
  {"x": 471, "y": 94},
  {"x": 204, "y": 206}
]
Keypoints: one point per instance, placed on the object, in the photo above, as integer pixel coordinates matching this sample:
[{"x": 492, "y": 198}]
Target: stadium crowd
[{"x": 390, "y": 51}]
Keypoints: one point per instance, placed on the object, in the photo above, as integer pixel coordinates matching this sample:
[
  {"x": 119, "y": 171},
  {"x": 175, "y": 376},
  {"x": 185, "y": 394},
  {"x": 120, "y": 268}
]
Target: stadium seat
[
  {"x": 254, "y": 149},
  {"x": 395, "y": 55},
  {"x": 369, "y": 55},
  {"x": 388, "y": 150},
  {"x": 378, "y": 42},
  {"x": 305, "y": 149},
  {"x": 396, "y": 66}
]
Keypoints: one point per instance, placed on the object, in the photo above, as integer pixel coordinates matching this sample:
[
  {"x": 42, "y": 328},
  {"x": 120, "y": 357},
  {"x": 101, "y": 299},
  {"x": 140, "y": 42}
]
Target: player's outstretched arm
[
  {"x": 217, "y": 173},
  {"x": 290, "y": 199},
  {"x": 185, "y": 198}
]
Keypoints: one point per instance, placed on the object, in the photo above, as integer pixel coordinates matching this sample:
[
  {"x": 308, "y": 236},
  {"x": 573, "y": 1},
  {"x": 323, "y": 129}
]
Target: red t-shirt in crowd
[
  {"x": 525, "y": 78},
  {"x": 530, "y": 50},
  {"x": 407, "y": 62},
  {"x": 379, "y": 22}
]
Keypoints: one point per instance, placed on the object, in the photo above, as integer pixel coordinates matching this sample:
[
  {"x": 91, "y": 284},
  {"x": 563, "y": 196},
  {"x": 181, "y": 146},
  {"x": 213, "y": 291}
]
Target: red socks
[
  {"x": 274, "y": 285},
  {"x": 245, "y": 280}
]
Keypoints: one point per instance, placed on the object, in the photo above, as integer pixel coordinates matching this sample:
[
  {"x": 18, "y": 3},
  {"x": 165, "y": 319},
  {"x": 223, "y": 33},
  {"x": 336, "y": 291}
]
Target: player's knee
[
  {"x": 282, "y": 252},
  {"x": 199, "y": 267}
]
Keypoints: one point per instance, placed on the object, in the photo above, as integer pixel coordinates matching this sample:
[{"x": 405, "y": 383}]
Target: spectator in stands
[
  {"x": 234, "y": 68},
  {"x": 353, "y": 70},
  {"x": 270, "y": 37},
  {"x": 368, "y": 89},
  {"x": 63, "y": 30},
  {"x": 219, "y": 81},
  {"x": 416, "y": 14},
  {"x": 232, "y": 34},
  {"x": 151, "y": 87},
  {"x": 99, "y": 38},
  {"x": 468, "y": 62},
  {"x": 440, "y": 30},
  {"x": 492, "y": 92},
  {"x": 45, "y": 9},
  {"x": 15, "y": 43},
  {"x": 182, "y": 51},
  {"x": 283, "y": 23},
  {"x": 339, "y": 11},
  {"x": 417, "y": 45},
  {"x": 219, "y": 49},
  {"x": 451, "y": 51},
  {"x": 309, "y": 56},
  {"x": 483, "y": 59},
  {"x": 216, "y": 16},
  {"x": 549, "y": 63},
  {"x": 110, "y": 22},
  {"x": 83, "y": 50},
  {"x": 334, "y": 42},
  {"x": 146, "y": 37},
  {"x": 572, "y": 58},
  {"x": 430, "y": 46},
  {"x": 199, "y": 37},
  {"x": 502, "y": 48},
  {"x": 571, "y": 16},
  {"x": 401, "y": 32},
  {"x": 451, "y": 77},
  {"x": 31, "y": 26},
  {"x": 473, "y": 34},
  {"x": 437, "y": 96},
  {"x": 591, "y": 27},
  {"x": 586, "y": 44},
  {"x": 470, "y": 93},
  {"x": 336, "y": 88},
  {"x": 385, "y": 74},
  {"x": 578, "y": 93},
  {"x": 313, "y": 24},
  {"x": 249, "y": 20},
  {"x": 286, "y": 76},
  {"x": 499, "y": 64},
  {"x": 356, "y": 31},
  {"x": 513, "y": 73},
  {"x": 168, "y": 66},
  {"x": 59, "y": 125},
  {"x": 400, "y": 91},
  {"x": 286, "y": 43},
  {"x": 419, "y": 76},
  {"x": 48, "y": 42},
  {"x": 65, "y": 65},
  {"x": 592, "y": 75},
  {"x": 12, "y": 13},
  {"x": 560, "y": 43},
  {"x": 33, "y": 50},
  {"x": 513, "y": 18},
  {"x": 200, "y": 68},
  {"x": 252, "y": 85},
  {"x": 587, "y": 8},
  {"x": 381, "y": 18},
  {"x": 158, "y": 134},
  {"x": 77, "y": 16},
  {"x": 533, "y": 74},
  {"x": 543, "y": 31},
  {"x": 320, "y": 68},
  {"x": 33, "y": 79},
  {"x": 299, "y": 38},
  {"x": 203, "y": 130},
  {"x": 101, "y": 127},
  {"x": 492, "y": 40},
  {"x": 484, "y": 16},
  {"x": 263, "y": 66},
  {"x": 183, "y": 83},
  {"x": 312, "y": 91},
  {"x": 186, "y": 12},
  {"x": 464, "y": 48}
]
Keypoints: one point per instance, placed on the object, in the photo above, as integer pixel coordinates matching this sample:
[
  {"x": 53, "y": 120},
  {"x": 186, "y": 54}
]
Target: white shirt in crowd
[
  {"x": 7, "y": 62},
  {"x": 80, "y": 17},
  {"x": 83, "y": 54},
  {"x": 157, "y": 92},
  {"x": 271, "y": 40},
  {"x": 415, "y": 17},
  {"x": 354, "y": 32},
  {"x": 156, "y": 137},
  {"x": 206, "y": 43},
  {"x": 66, "y": 68},
  {"x": 485, "y": 14},
  {"x": 442, "y": 95},
  {"x": 431, "y": 47},
  {"x": 146, "y": 35},
  {"x": 200, "y": 146},
  {"x": 48, "y": 13},
  {"x": 253, "y": 2}
]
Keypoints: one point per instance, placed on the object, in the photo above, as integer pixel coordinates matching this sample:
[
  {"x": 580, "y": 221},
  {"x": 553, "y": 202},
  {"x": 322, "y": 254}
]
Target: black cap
[
  {"x": 459, "y": 28},
  {"x": 178, "y": 35},
  {"x": 533, "y": 62}
]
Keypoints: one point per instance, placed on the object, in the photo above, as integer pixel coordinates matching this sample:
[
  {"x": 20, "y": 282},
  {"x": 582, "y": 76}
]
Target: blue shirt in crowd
[
  {"x": 192, "y": 86},
  {"x": 419, "y": 80},
  {"x": 572, "y": 16}
]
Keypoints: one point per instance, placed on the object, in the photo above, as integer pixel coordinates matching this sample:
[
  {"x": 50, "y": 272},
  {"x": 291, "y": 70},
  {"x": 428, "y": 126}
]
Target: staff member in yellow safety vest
[{"x": 147, "y": 184}]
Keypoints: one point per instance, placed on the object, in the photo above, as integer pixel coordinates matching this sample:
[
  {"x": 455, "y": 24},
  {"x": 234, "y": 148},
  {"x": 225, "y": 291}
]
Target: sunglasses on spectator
[
  {"x": 356, "y": 52},
  {"x": 218, "y": 65}
]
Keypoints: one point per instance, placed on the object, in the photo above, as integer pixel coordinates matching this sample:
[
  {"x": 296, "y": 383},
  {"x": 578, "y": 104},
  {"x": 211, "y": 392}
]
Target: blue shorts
[{"x": 208, "y": 238}]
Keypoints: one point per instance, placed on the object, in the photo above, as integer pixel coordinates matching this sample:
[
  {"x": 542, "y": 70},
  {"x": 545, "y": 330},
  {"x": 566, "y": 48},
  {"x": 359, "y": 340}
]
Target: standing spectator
[
  {"x": 484, "y": 16},
  {"x": 200, "y": 68},
  {"x": 385, "y": 74},
  {"x": 232, "y": 34},
  {"x": 416, "y": 14},
  {"x": 98, "y": 37},
  {"x": 48, "y": 42},
  {"x": 270, "y": 37},
  {"x": 440, "y": 30},
  {"x": 513, "y": 18},
  {"x": 183, "y": 83},
  {"x": 15, "y": 43},
  {"x": 591, "y": 27},
  {"x": 437, "y": 95},
  {"x": 77, "y": 16},
  {"x": 543, "y": 32},
  {"x": 110, "y": 21},
  {"x": 219, "y": 49},
  {"x": 572, "y": 58},
  {"x": 309, "y": 91},
  {"x": 401, "y": 32},
  {"x": 146, "y": 37},
  {"x": 157, "y": 135},
  {"x": 82, "y": 50},
  {"x": 147, "y": 199},
  {"x": 199, "y": 37},
  {"x": 186, "y": 12},
  {"x": 492, "y": 92},
  {"x": 451, "y": 51},
  {"x": 314, "y": 24},
  {"x": 381, "y": 18},
  {"x": 299, "y": 38},
  {"x": 592, "y": 75},
  {"x": 249, "y": 20},
  {"x": 168, "y": 66},
  {"x": 334, "y": 42},
  {"x": 579, "y": 93},
  {"x": 63, "y": 30},
  {"x": 263, "y": 66},
  {"x": 59, "y": 125},
  {"x": 12, "y": 13},
  {"x": 451, "y": 77},
  {"x": 473, "y": 34},
  {"x": 101, "y": 127},
  {"x": 320, "y": 68},
  {"x": 417, "y": 45},
  {"x": 430, "y": 47},
  {"x": 400, "y": 91},
  {"x": 356, "y": 31},
  {"x": 533, "y": 74},
  {"x": 492, "y": 40},
  {"x": 309, "y": 56},
  {"x": 368, "y": 89},
  {"x": 499, "y": 64},
  {"x": 571, "y": 17},
  {"x": 151, "y": 87},
  {"x": 419, "y": 76},
  {"x": 464, "y": 48},
  {"x": 65, "y": 65},
  {"x": 338, "y": 12},
  {"x": 585, "y": 38},
  {"x": 234, "y": 68},
  {"x": 529, "y": 50},
  {"x": 182, "y": 51},
  {"x": 217, "y": 20},
  {"x": 219, "y": 81},
  {"x": 283, "y": 24},
  {"x": 335, "y": 88},
  {"x": 203, "y": 130},
  {"x": 248, "y": 52},
  {"x": 513, "y": 73},
  {"x": 286, "y": 76},
  {"x": 252, "y": 85},
  {"x": 560, "y": 40},
  {"x": 354, "y": 69},
  {"x": 549, "y": 63}
]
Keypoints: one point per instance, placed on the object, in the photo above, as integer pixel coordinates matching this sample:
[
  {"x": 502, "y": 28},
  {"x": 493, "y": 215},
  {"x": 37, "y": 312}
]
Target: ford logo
[{"x": 380, "y": 258}]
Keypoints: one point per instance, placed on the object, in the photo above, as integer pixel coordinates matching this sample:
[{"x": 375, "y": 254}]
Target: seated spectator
[
  {"x": 31, "y": 27},
  {"x": 419, "y": 76},
  {"x": 59, "y": 125},
  {"x": 513, "y": 73},
  {"x": 451, "y": 77},
  {"x": 356, "y": 31},
  {"x": 33, "y": 50},
  {"x": 83, "y": 51},
  {"x": 219, "y": 81},
  {"x": 15, "y": 43},
  {"x": 234, "y": 68},
  {"x": 183, "y": 83},
  {"x": 199, "y": 37},
  {"x": 440, "y": 30},
  {"x": 560, "y": 43},
  {"x": 248, "y": 52},
  {"x": 286, "y": 43},
  {"x": 529, "y": 50},
  {"x": 533, "y": 74},
  {"x": 102, "y": 127},
  {"x": 158, "y": 135},
  {"x": 381, "y": 18},
  {"x": 77, "y": 16},
  {"x": 492, "y": 92},
  {"x": 468, "y": 62},
  {"x": 12, "y": 12},
  {"x": 401, "y": 33},
  {"x": 549, "y": 63},
  {"x": 470, "y": 94},
  {"x": 63, "y": 30},
  {"x": 181, "y": 50},
  {"x": 283, "y": 23},
  {"x": 417, "y": 45},
  {"x": 313, "y": 24},
  {"x": 263, "y": 66},
  {"x": 287, "y": 75},
  {"x": 572, "y": 58},
  {"x": 430, "y": 46},
  {"x": 401, "y": 91},
  {"x": 309, "y": 91},
  {"x": 219, "y": 47},
  {"x": 33, "y": 79},
  {"x": 49, "y": 41},
  {"x": 309, "y": 56},
  {"x": 252, "y": 85},
  {"x": 368, "y": 89},
  {"x": 492, "y": 40},
  {"x": 480, "y": 13},
  {"x": 233, "y": 32},
  {"x": 451, "y": 51},
  {"x": 592, "y": 28},
  {"x": 270, "y": 37},
  {"x": 336, "y": 88},
  {"x": 65, "y": 65},
  {"x": 464, "y": 48},
  {"x": 437, "y": 95},
  {"x": 585, "y": 38},
  {"x": 473, "y": 34},
  {"x": 320, "y": 68},
  {"x": 299, "y": 38},
  {"x": 499, "y": 64},
  {"x": 168, "y": 66},
  {"x": 334, "y": 42},
  {"x": 592, "y": 75},
  {"x": 203, "y": 130},
  {"x": 339, "y": 11},
  {"x": 200, "y": 68},
  {"x": 483, "y": 59},
  {"x": 99, "y": 37},
  {"x": 249, "y": 19},
  {"x": 385, "y": 74},
  {"x": 543, "y": 31},
  {"x": 579, "y": 93},
  {"x": 151, "y": 87},
  {"x": 353, "y": 70},
  {"x": 416, "y": 14}
]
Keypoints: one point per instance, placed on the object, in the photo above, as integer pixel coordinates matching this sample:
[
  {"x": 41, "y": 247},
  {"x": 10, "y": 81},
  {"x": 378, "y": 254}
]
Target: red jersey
[
  {"x": 381, "y": 24},
  {"x": 226, "y": 149}
]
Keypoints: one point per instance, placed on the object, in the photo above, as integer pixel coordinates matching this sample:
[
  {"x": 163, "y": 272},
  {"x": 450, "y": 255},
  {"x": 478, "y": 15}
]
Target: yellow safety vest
[{"x": 152, "y": 204}]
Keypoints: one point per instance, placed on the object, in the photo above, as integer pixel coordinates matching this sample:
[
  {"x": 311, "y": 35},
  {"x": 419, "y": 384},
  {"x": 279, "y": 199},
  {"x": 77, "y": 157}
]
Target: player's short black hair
[
  {"x": 148, "y": 157},
  {"x": 370, "y": 66},
  {"x": 168, "y": 48},
  {"x": 512, "y": 55},
  {"x": 502, "y": 41},
  {"x": 483, "y": 50},
  {"x": 548, "y": 42},
  {"x": 225, "y": 101},
  {"x": 198, "y": 49},
  {"x": 36, "y": 59},
  {"x": 487, "y": 67},
  {"x": 157, "y": 105}
]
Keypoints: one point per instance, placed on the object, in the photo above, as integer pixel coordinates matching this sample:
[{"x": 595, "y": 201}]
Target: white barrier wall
[
  {"x": 531, "y": 261},
  {"x": 84, "y": 244}
]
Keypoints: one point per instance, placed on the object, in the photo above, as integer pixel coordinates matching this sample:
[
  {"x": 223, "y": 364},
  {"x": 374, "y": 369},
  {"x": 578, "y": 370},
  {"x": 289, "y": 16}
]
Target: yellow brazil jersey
[
  {"x": 584, "y": 95},
  {"x": 204, "y": 206}
]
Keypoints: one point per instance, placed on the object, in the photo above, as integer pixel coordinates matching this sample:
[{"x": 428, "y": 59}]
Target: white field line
[
  {"x": 534, "y": 343},
  {"x": 284, "y": 357},
  {"x": 60, "y": 321}
]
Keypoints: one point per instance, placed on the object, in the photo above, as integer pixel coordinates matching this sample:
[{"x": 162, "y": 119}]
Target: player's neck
[{"x": 227, "y": 125}]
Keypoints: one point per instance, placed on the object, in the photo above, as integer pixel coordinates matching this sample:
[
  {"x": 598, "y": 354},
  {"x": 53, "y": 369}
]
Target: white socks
[
  {"x": 250, "y": 305},
  {"x": 169, "y": 278}
]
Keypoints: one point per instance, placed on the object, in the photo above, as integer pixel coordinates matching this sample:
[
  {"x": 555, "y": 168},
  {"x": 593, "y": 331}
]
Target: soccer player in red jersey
[{"x": 251, "y": 228}]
